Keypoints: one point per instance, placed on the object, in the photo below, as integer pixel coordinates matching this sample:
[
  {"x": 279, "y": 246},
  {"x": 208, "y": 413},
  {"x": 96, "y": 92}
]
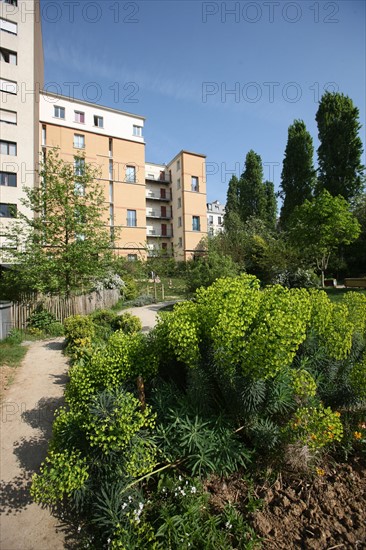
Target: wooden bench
[{"x": 355, "y": 283}]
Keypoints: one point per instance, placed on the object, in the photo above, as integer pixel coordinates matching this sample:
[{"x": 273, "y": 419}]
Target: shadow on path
[{"x": 30, "y": 453}]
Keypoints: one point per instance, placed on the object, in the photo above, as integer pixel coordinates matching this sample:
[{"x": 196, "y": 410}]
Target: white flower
[
  {"x": 180, "y": 478},
  {"x": 124, "y": 505},
  {"x": 183, "y": 493},
  {"x": 141, "y": 505},
  {"x": 193, "y": 489},
  {"x": 228, "y": 525},
  {"x": 79, "y": 528},
  {"x": 109, "y": 541}
]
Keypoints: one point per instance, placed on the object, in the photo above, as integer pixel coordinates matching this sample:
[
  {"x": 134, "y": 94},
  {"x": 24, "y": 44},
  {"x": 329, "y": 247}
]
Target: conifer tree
[{"x": 298, "y": 174}]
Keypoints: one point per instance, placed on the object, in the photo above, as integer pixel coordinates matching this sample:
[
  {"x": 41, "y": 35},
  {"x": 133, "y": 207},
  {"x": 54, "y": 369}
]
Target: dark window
[
  {"x": 8, "y": 210},
  {"x": 9, "y": 179}
]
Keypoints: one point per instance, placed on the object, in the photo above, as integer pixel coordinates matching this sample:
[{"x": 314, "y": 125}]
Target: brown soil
[{"x": 324, "y": 512}]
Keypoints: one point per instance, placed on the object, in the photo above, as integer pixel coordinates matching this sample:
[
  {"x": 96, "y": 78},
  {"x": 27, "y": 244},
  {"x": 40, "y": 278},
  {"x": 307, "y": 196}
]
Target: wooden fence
[{"x": 62, "y": 307}]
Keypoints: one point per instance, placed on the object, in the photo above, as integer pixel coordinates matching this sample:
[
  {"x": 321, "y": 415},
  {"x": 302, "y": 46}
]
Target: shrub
[
  {"x": 56, "y": 329},
  {"x": 128, "y": 323},
  {"x": 130, "y": 291},
  {"x": 79, "y": 331},
  {"x": 41, "y": 319}
]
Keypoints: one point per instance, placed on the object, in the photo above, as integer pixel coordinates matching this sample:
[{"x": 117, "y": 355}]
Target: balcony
[
  {"x": 159, "y": 233},
  {"x": 164, "y": 179},
  {"x": 159, "y": 196},
  {"x": 158, "y": 215}
]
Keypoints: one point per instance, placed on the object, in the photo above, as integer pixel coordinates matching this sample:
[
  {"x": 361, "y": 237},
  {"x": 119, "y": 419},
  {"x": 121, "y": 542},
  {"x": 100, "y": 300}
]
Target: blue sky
[{"x": 176, "y": 62}]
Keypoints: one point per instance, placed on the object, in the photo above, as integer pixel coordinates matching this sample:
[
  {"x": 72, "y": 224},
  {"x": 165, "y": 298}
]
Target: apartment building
[
  {"x": 215, "y": 217},
  {"x": 21, "y": 78},
  {"x": 150, "y": 208}
]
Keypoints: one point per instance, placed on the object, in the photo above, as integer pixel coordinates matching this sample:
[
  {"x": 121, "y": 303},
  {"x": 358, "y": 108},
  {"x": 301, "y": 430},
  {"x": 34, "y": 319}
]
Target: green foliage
[
  {"x": 121, "y": 360},
  {"x": 315, "y": 427},
  {"x": 298, "y": 175},
  {"x": 204, "y": 271},
  {"x": 61, "y": 474},
  {"x": 340, "y": 150},
  {"x": 79, "y": 332},
  {"x": 41, "y": 319},
  {"x": 128, "y": 323},
  {"x": 320, "y": 226}
]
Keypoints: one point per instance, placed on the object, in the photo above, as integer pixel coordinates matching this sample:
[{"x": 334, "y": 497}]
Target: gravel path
[
  {"x": 147, "y": 314},
  {"x": 26, "y": 423}
]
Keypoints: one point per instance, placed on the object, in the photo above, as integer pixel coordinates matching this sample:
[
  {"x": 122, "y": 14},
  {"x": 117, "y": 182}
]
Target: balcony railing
[
  {"x": 158, "y": 196},
  {"x": 159, "y": 233},
  {"x": 166, "y": 179},
  {"x": 159, "y": 215}
]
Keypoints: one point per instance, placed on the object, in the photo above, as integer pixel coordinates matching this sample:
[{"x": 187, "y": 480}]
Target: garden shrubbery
[{"x": 228, "y": 383}]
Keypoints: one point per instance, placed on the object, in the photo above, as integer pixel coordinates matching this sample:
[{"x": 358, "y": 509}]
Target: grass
[
  {"x": 336, "y": 294},
  {"x": 11, "y": 354}
]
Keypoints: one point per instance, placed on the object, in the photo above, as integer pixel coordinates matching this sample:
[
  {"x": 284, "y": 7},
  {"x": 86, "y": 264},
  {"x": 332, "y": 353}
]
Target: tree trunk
[{"x": 141, "y": 392}]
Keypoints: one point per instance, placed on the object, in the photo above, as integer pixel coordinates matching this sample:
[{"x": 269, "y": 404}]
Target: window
[
  {"x": 179, "y": 202},
  {"x": 8, "y": 86},
  {"x": 8, "y": 210},
  {"x": 59, "y": 112},
  {"x": 179, "y": 221},
  {"x": 8, "y": 26},
  {"x": 178, "y": 183},
  {"x": 8, "y": 179},
  {"x": 79, "y": 117},
  {"x": 9, "y": 117},
  {"x": 43, "y": 139},
  {"x": 79, "y": 188},
  {"x": 194, "y": 183},
  {"x": 8, "y": 148},
  {"x": 8, "y": 56},
  {"x": 219, "y": 220},
  {"x": 195, "y": 223},
  {"x": 210, "y": 220},
  {"x": 110, "y": 147},
  {"x": 131, "y": 218},
  {"x": 110, "y": 169},
  {"x": 137, "y": 131},
  {"x": 130, "y": 174},
  {"x": 180, "y": 242},
  {"x": 131, "y": 257},
  {"x": 79, "y": 166},
  {"x": 209, "y": 207},
  {"x": 79, "y": 141},
  {"x": 98, "y": 121},
  {"x": 178, "y": 164}
]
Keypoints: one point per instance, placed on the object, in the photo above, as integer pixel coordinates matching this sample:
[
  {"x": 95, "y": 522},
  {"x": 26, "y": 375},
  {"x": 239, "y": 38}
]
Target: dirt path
[{"x": 26, "y": 425}]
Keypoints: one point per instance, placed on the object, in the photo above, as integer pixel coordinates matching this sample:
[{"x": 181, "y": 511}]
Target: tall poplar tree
[
  {"x": 252, "y": 193},
  {"x": 232, "y": 202},
  {"x": 340, "y": 150},
  {"x": 298, "y": 174},
  {"x": 271, "y": 205}
]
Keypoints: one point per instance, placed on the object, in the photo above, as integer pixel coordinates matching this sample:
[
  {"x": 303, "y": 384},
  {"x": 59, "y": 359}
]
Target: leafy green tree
[
  {"x": 298, "y": 174},
  {"x": 355, "y": 253},
  {"x": 320, "y": 226},
  {"x": 340, "y": 150},
  {"x": 252, "y": 194},
  {"x": 64, "y": 244}
]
